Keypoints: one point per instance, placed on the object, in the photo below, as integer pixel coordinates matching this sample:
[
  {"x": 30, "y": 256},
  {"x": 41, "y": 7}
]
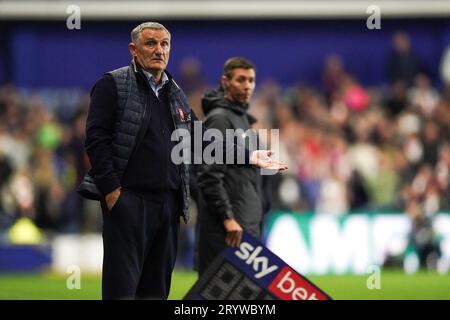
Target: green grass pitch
[{"x": 394, "y": 285}]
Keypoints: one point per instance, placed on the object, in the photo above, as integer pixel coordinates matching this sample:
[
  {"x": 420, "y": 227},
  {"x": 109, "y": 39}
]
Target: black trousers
[{"x": 140, "y": 237}]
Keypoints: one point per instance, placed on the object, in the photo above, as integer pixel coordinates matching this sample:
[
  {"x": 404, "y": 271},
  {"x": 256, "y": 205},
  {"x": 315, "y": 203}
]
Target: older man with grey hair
[{"x": 132, "y": 114}]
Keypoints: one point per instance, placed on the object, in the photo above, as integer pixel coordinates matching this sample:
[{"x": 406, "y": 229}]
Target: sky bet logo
[
  {"x": 259, "y": 264},
  {"x": 272, "y": 273},
  {"x": 288, "y": 285}
]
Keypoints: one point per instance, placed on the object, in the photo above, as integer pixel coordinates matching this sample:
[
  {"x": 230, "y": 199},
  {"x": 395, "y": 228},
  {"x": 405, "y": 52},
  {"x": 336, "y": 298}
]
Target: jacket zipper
[{"x": 180, "y": 172}]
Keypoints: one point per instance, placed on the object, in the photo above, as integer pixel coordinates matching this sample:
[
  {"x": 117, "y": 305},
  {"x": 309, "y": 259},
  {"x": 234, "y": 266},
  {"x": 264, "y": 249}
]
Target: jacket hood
[{"x": 216, "y": 99}]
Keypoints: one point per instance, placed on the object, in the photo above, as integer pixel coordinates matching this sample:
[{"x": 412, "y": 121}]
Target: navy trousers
[{"x": 140, "y": 237}]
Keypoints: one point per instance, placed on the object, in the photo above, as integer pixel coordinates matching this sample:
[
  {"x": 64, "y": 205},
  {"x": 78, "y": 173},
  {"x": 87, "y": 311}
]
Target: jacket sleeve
[
  {"x": 99, "y": 134},
  {"x": 210, "y": 178}
]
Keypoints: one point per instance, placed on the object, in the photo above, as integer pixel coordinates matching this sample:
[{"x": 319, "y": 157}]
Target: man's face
[
  {"x": 152, "y": 50},
  {"x": 241, "y": 85}
]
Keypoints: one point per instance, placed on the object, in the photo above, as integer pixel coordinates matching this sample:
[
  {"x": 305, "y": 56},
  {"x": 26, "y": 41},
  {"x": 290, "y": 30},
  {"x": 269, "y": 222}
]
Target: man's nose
[
  {"x": 247, "y": 85},
  {"x": 158, "y": 49}
]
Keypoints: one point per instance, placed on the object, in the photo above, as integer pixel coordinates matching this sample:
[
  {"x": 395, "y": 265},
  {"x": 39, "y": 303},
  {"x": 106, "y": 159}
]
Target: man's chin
[
  {"x": 245, "y": 103},
  {"x": 156, "y": 66},
  {"x": 152, "y": 69}
]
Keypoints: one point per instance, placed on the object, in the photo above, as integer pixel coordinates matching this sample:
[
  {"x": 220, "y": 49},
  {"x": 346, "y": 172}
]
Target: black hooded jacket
[{"x": 229, "y": 191}]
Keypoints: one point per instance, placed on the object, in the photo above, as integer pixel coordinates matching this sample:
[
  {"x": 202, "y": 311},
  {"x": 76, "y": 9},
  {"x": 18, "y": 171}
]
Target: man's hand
[
  {"x": 261, "y": 158},
  {"x": 111, "y": 198},
  {"x": 234, "y": 232}
]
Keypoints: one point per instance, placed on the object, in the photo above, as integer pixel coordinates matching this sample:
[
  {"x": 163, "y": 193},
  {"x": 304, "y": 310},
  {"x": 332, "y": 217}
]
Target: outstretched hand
[{"x": 261, "y": 159}]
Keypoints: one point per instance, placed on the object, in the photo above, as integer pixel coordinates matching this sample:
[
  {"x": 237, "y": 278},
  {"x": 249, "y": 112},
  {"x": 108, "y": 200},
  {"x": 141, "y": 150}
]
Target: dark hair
[{"x": 235, "y": 63}]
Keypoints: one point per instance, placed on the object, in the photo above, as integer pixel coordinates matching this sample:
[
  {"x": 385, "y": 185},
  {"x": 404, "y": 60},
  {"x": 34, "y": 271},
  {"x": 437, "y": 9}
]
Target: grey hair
[{"x": 135, "y": 33}]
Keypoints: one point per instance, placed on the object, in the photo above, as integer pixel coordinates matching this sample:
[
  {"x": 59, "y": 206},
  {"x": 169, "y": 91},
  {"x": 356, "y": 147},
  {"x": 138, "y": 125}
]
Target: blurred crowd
[
  {"x": 42, "y": 159},
  {"x": 353, "y": 148},
  {"x": 350, "y": 148}
]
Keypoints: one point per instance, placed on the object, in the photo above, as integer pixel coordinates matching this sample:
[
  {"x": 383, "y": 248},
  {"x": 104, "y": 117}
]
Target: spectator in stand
[
  {"x": 332, "y": 76},
  {"x": 397, "y": 99},
  {"x": 423, "y": 96},
  {"x": 403, "y": 64}
]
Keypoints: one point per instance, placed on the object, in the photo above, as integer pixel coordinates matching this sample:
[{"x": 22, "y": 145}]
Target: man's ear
[
  {"x": 132, "y": 49},
  {"x": 224, "y": 82}
]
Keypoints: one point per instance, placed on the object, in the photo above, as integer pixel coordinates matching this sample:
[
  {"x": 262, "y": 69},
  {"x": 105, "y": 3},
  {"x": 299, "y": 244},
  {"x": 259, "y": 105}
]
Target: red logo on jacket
[{"x": 181, "y": 113}]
